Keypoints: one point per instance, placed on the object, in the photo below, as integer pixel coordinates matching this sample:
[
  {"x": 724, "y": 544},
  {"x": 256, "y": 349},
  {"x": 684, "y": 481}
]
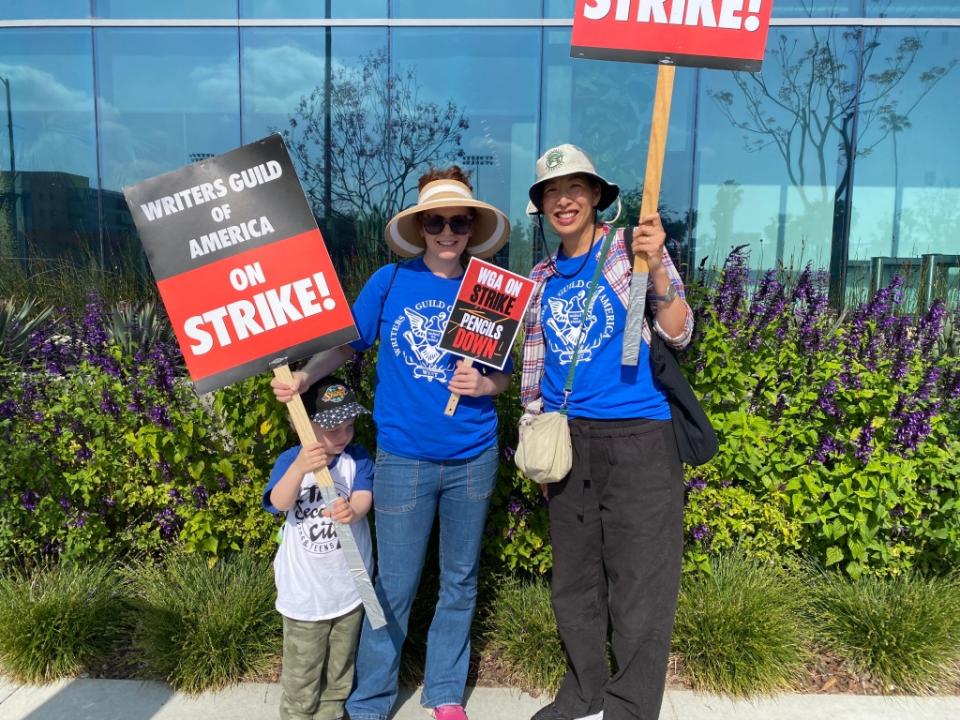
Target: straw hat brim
[{"x": 490, "y": 231}]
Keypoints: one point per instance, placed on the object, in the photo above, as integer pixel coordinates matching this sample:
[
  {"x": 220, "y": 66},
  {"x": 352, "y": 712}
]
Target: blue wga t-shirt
[
  {"x": 413, "y": 374},
  {"x": 603, "y": 388}
]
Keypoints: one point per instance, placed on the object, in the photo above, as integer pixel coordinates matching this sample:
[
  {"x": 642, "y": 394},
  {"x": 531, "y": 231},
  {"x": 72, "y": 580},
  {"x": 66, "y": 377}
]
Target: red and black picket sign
[
  {"x": 240, "y": 263},
  {"x": 487, "y": 313},
  {"x": 722, "y": 34}
]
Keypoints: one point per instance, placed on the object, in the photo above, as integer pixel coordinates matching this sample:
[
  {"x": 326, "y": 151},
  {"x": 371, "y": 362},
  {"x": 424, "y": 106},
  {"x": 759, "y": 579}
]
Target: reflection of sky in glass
[
  {"x": 175, "y": 9},
  {"x": 22, "y": 10},
  {"x": 283, "y": 65},
  {"x": 605, "y": 108},
  {"x": 907, "y": 171},
  {"x": 817, "y": 8},
  {"x": 51, "y": 91},
  {"x": 746, "y": 193},
  {"x": 913, "y": 8},
  {"x": 465, "y": 8},
  {"x": 493, "y": 76},
  {"x": 313, "y": 8},
  {"x": 165, "y": 96}
]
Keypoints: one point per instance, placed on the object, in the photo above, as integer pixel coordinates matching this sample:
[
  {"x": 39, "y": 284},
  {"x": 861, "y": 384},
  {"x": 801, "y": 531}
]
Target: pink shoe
[{"x": 448, "y": 712}]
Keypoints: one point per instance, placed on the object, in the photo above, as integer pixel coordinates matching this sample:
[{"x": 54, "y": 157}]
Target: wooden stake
[
  {"x": 301, "y": 423},
  {"x": 656, "y": 149},
  {"x": 455, "y": 397}
]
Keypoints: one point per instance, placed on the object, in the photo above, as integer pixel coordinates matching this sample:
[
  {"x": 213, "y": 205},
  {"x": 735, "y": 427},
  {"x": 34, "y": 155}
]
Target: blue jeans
[{"x": 407, "y": 494}]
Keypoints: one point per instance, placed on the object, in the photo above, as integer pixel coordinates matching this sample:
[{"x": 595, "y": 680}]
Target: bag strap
[{"x": 568, "y": 385}]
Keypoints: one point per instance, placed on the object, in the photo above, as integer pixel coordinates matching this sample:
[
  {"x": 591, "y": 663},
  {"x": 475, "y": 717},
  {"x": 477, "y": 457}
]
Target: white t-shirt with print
[{"x": 310, "y": 569}]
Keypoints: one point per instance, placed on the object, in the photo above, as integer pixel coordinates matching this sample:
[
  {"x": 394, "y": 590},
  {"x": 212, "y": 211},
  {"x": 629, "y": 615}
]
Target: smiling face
[
  {"x": 444, "y": 244},
  {"x": 568, "y": 204}
]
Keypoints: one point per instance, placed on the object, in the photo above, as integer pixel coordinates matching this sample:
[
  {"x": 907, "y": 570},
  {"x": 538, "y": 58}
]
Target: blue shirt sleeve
[
  {"x": 279, "y": 468},
  {"x": 363, "y": 480},
  {"x": 368, "y": 307}
]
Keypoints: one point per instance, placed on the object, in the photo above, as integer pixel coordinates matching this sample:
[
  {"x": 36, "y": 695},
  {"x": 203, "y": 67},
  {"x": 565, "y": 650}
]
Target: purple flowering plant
[
  {"x": 830, "y": 419},
  {"x": 107, "y": 448}
]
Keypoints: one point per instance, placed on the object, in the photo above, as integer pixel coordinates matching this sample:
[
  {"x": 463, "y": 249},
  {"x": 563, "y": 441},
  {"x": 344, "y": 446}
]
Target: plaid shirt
[{"x": 617, "y": 271}]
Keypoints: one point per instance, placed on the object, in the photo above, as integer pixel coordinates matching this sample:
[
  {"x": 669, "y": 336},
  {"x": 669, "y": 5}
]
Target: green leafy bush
[
  {"x": 848, "y": 426},
  {"x": 200, "y": 627},
  {"x": 111, "y": 453},
  {"x": 59, "y": 621},
  {"x": 904, "y": 630},
  {"x": 740, "y": 627}
]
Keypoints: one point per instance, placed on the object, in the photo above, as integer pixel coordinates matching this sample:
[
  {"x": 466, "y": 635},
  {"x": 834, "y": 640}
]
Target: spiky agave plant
[
  {"x": 18, "y": 321},
  {"x": 139, "y": 326}
]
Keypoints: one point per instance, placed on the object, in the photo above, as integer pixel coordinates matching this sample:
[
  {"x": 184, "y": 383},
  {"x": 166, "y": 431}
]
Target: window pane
[
  {"x": 605, "y": 108},
  {"x": 48, "y": 178},
  {"x": 558, "y": 9},
  {"x": 488, "y": 78},
  {"x": 165, "y": 9},
  {"x": 315, "y": 9},
  {"x": 913, "y": 8},
  {"x": 817, "y": 8},
  {"x": 21, "y": 10},
  {"x": 166, "y": 97},
  {"x": 769, "y": 150},
  {"x": 906, "y": 199},
  {"x": 469, "y": 9},
  {"x": 284, "y": 81}
]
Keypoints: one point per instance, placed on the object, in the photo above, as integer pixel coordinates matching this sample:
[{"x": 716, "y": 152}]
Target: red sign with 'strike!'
[{"x": 723, "y": 34}]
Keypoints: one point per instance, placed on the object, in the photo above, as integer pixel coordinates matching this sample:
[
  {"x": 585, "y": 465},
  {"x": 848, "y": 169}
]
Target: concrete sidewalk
[{"x": 137, "y": 700}]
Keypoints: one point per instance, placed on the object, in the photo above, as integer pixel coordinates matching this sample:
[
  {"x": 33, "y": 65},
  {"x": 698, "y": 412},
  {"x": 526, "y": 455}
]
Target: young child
[{"x": 316, "y": 596}]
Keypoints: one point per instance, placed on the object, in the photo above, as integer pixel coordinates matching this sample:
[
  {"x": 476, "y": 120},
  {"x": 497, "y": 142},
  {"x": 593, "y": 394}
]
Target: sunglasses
[{"x": 459, "y": 224}]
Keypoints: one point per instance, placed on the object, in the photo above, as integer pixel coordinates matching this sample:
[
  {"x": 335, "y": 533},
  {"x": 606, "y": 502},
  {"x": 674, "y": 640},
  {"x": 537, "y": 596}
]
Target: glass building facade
[{"x": 840, "y": 153}]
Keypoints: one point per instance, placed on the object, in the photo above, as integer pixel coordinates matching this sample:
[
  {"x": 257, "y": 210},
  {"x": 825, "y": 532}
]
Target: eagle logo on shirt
[
  {"x": 416, "y": 337},
  {"x": 568, "y": 319}
]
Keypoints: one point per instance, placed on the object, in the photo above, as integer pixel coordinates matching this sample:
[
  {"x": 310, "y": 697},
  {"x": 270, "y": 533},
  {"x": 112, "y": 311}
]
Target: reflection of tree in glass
[
  {"x": 382, "y": 136},
  {"x": 821, "y": 83}
]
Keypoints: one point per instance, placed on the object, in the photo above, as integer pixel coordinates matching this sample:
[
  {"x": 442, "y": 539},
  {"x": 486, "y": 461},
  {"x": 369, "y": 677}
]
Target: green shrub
[
  {"x": 522, "y": 636},
  {"x": 740, "y": 628},
  {"x": 849, "y": 426},
  {"x": 109, "y": 450},
  {"x": 200, "y": 627},
  {"x": 60, "y": 621},
  {"x": 720, "y": 518},
  {"x": 903, "y": 630}
]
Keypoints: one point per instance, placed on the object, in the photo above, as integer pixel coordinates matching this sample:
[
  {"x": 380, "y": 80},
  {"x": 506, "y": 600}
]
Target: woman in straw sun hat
[
  {"x": 616, "y": 518},
  {"x": 427, "y": 463}
]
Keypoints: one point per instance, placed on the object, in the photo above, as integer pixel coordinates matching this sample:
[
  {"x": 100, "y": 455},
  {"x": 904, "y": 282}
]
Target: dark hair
[{"x": 454, "y": 172}]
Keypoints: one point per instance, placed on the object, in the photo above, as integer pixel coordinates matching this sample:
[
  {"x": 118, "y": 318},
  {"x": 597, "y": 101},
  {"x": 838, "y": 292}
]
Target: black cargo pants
[{"x": 616, "y": 525}]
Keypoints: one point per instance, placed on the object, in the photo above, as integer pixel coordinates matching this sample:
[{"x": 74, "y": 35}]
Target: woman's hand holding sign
[
  {"x": 468, "y": 381},
  {"x": 648, "y": 240}
]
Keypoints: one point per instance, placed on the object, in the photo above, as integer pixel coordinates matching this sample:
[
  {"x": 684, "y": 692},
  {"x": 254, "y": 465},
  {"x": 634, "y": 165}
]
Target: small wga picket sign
[
  {"x": 486, "y": 316},
  {"x": 720, "y": 34},
  {"x": 247, "y": 282}
]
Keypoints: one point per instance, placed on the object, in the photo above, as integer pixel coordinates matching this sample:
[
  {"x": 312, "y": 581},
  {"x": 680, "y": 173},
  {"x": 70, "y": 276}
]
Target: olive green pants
[{"x": 318, "y": 659}]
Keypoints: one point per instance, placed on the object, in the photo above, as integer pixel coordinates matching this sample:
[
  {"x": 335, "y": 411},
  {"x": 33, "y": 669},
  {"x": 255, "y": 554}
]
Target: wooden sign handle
[
  {"x": 656, "y": 149},
  {"x": 301, "y": 423},
  {"x": 455, "y": 397}
]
